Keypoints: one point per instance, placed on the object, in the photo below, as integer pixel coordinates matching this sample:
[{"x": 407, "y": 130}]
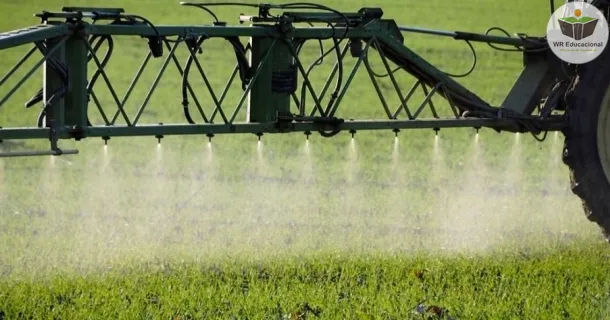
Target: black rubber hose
[
  {"x": 242, "y": 61},
  {"x": 187, "y": 69}
]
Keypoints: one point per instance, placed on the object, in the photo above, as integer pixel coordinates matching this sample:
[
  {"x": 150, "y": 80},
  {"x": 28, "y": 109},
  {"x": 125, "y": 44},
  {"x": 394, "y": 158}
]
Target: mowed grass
[{"x": 485, "y": 227}]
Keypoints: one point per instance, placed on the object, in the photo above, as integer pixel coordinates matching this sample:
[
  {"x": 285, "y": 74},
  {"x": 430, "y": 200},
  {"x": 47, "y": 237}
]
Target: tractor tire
[{"x": 587, "y": 139}]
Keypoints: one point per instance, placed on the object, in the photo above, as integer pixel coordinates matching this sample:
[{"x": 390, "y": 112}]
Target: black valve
[
  {"x": 355, "y": 48},
  {"x": 155, "y": 45}
]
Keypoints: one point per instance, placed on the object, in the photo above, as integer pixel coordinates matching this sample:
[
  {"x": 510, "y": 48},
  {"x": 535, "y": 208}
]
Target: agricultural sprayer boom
[
  {"x": 276, "y": 92},
  {"x": 276, "y": 88}
]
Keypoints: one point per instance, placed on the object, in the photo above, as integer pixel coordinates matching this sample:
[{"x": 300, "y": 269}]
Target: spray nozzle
[
  {"x": 159, "y": 136},
  {"x": 353, "y": 133},
  {"x": 106, "y": 138},
  {"x": 437, "y": 130},
  {"x": 396, "y": 131},
  {"x": 210, "y": 136},
  {"x": 307, "y": 134},
  {"x": 477, "y": 129},
  {"x": 259, "y": 134}
]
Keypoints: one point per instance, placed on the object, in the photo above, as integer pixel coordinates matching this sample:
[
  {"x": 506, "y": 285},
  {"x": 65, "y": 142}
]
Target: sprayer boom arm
[{"x": 274, "y": 82}]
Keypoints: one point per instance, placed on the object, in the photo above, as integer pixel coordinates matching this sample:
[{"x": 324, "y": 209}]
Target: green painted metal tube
[
  {"x": 32, "y": 34},
  {"x": 267, "y": 127},
  {"x": 461, "y": 35},
  {"x": 227, "y": 31},
  {"x": 76, "y": 100}
]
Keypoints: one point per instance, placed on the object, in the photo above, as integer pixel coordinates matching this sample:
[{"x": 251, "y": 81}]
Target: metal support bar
[
  {"x": 394, "y": 82},
  {"x": 156, "y": 82},
  {"x": 36, "y": 153},
  {"x": 476, "y": 37},
  {"x": 403, "y": 104},
  {"x": 131, "y": 86},
  {"x": 31, "y": 72},
  {"x": 18, "y": 65},
  {"x": 105, "y": 77},
  {"x": 218, "y": 104},
  {"x": 32, "y": 34},
  {"x": 531, "y": 85},
  {"x": 332, "y": 109},
  {"x": 427, "y": 99}
]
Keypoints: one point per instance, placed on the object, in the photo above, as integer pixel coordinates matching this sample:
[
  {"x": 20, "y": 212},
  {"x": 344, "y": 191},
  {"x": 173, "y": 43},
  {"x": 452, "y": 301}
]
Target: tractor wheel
[{"x": 587, "y": 139}]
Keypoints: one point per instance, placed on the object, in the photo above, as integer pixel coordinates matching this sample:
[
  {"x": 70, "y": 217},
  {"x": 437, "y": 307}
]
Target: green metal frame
[{"x": 67, "y": 42}]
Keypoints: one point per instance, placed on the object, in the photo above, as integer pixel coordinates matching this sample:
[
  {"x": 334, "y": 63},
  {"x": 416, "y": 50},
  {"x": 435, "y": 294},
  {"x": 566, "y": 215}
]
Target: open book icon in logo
[{"x": 578, "y": 27}]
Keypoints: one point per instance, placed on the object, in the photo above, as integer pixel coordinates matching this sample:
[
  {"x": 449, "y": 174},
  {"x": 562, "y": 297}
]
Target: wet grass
[{"x": 567, "y": 284}]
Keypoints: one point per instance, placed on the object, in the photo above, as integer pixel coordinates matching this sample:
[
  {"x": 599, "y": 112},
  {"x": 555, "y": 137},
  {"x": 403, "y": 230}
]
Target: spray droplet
[
  {"x": 395, "y": 156},
  {"x": 209, "y": 152},
  {"x": 436, "y": 147},
  {"x": 353, "y": 163}
]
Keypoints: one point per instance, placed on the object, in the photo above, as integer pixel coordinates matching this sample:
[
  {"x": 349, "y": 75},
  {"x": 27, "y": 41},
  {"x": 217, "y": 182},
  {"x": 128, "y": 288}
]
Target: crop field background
[{"x": 482, "y": 226}]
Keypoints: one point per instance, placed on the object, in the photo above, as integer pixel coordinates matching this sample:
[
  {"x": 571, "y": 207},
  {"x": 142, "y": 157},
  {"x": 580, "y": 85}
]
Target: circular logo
[{"x": 577, "y": 32}]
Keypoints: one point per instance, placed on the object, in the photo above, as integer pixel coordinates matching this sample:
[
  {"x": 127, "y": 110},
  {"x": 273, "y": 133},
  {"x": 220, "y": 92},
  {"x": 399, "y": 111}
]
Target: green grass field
[{"x": 485, "y": 227}]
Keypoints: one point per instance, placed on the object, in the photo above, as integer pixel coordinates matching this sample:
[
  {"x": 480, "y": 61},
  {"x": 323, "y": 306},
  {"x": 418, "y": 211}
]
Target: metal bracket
[
  {"x": 535, "y": 80},
  {"x": 55, "y": 150}
]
